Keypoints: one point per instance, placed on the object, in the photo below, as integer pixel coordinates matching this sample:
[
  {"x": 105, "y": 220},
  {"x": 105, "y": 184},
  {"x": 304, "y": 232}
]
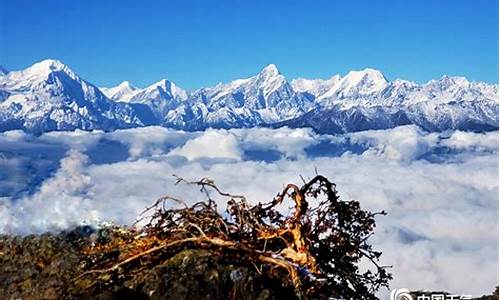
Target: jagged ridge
[{"x": 49, "y": 96}]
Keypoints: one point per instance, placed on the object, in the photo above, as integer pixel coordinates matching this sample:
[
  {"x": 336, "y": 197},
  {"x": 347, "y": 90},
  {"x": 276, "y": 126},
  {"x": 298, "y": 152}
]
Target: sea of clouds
[{"x": 440, "y": 189}]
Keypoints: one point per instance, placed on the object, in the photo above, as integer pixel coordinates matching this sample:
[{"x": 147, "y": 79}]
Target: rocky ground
[{"x": 47, "y": 267}]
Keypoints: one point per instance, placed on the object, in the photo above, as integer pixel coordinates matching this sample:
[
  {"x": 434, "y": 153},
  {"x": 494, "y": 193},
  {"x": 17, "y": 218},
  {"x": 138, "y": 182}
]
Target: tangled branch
[{"x": 319, "y": 245}]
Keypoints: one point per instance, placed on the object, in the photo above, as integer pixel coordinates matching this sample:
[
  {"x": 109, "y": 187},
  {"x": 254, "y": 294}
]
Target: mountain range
[{"x": 49, "y": 96}]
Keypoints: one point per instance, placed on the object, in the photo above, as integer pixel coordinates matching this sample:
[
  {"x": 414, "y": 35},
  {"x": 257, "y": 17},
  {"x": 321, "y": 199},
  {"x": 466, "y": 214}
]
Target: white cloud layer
[
  {"x": 440, "y": 190},
  {"x": 211, "y": 144}
]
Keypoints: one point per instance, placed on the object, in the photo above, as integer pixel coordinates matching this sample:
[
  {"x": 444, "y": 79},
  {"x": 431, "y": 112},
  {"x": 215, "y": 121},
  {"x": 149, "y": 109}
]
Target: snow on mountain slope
[
  {"x": 264, "y": 98},
  {"x": 369, "y": 88},
  {"x": 357, "y": 84},
  {"x": 267, "y": 93},
  {"x": 123, "y": 91},
  {"x": 315, "y": 87},
  {"x": 160, "y": 97},
  {"x": 447, "y": 103},
  {"x": 50, "y": 96},
  {"x": 355, "y": 88},
  {"x": 366, "y": 100}
]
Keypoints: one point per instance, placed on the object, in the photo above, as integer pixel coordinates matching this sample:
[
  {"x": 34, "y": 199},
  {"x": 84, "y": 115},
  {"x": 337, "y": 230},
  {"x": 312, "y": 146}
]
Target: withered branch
[{"x": 319, "y": 245}]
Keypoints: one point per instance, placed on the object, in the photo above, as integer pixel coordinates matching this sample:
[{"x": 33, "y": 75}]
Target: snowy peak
[
  {"x": 48, "y": 72},
  {"x": 404, "y": 83},
  {"x": 263, "y": 98},
  {"x": 160, "y": 97},
  {"x": 366, "y": 81},
  {"x": 52, "y": 64},
  {"x": 270, "y": 71},
  {"x": 50, "y": 75},
  {"x": 126, "y": 85},
  {"x": 270, "y": 74},
  {"x": 168, "y": 89},
  {"x": 449, "y": 81},
  {"x": 265, "y": 82},
  {"x": 315, "y": 87},
  {"x": 52, "y": 81},
  {"x": 49, "y": 96},
  {"x": 49, "y": 66},
  {"x": 366, "y": 74},
  {"x": 163, "y": 85},
  {"x": 356, "y": 84},
  {"x": 121, "y": 91},
  {"x": 163, "y": 90},
  {"x": 270, "y": 80}
]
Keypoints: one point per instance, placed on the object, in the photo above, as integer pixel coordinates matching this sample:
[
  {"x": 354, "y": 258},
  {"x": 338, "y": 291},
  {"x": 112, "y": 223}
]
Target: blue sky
[{"x": 200, "y": 43}]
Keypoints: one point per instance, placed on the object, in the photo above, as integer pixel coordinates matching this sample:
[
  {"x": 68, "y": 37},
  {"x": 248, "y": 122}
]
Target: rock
[
  {"x": 203, "y": 274},
  {"x": 45, "y": 267}
]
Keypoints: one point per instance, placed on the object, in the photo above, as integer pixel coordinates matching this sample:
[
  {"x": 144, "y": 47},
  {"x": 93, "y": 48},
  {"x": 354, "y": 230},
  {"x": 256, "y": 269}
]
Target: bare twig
[{"x": 325, "y": 241}]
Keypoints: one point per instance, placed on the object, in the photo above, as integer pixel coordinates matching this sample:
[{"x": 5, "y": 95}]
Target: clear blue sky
[{"x": 200, "y": 43}]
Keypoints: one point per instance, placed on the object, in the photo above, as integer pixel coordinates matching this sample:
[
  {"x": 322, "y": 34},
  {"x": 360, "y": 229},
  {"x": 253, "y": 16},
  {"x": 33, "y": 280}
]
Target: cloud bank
[{"x": 440, "y": 189}]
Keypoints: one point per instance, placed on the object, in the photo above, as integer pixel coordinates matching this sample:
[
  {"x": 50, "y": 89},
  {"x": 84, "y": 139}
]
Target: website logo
[{"x": 401, "y": 294}]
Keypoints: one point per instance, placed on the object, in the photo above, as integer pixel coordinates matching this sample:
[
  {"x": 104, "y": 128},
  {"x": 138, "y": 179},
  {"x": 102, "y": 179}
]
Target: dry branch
[{"x": 319, "y": 246}]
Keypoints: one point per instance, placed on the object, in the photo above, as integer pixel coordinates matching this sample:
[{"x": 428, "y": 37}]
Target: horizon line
[{"x": 2, "y": 67}]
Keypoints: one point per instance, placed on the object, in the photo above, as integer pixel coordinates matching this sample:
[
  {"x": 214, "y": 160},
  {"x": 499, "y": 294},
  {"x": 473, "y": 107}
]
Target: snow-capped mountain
[
  {"x": 356, "y": 88},
  {"x": 50, "y": 96},
  {"x": 160, "y": 97},
  {"x": 264, "y": 98},
  {"x": 123, "y": 91},
  {"x": 315, "y": 87},
  {"x": 366, "y": 100}
]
